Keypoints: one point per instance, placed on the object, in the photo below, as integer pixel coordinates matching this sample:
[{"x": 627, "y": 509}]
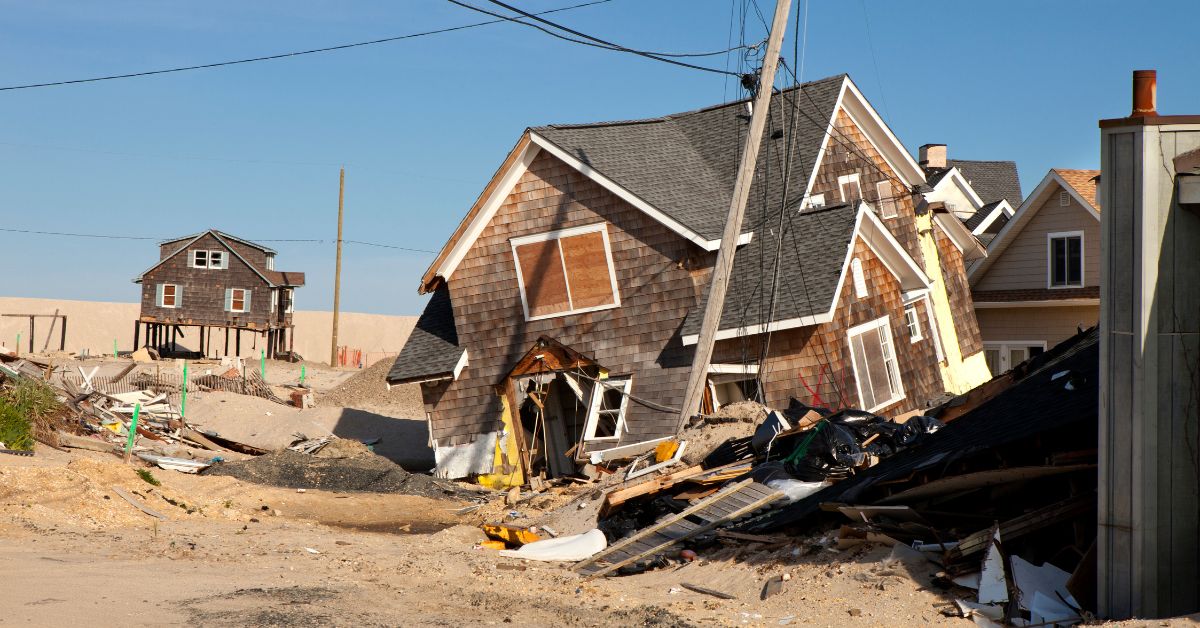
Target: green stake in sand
[
  {"x": 262, "y": 364},
  {"x": 17, "y": 349},
  {"x": 137, "y": 409},
  {"x": 183, "y": 402},
  {"x": 114, "y": 347},
  {"x": 301, "y": 374}
]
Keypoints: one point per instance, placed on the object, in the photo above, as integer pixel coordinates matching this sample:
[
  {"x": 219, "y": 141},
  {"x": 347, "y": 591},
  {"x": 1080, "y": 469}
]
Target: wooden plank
[
  {"x": 1018, "y": 527},
  {"x": 620, "y": 496},
  {"x": 136, "y": 504}
]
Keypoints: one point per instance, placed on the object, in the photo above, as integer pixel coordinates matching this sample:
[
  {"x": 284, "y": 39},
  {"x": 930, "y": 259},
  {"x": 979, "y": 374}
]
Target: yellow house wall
[
  {"x": 506, "y": 451},
  {"x": 958, "y": 375}
]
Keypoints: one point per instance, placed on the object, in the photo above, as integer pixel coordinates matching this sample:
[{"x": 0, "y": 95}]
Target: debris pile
[{"x": 364, "y": 471}]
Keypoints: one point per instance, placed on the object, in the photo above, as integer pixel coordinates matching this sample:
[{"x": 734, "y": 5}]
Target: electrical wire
[
  {"x": 286, "y": 55},
  {"x": 589, "y": 40},
  {"x": 130, "y": 237}
]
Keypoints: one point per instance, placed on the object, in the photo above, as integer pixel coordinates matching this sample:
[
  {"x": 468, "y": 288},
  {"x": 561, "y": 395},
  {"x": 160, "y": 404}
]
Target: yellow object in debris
[
  {"x": 495, "y": 545},
  {"x": 513, "y": 535},
  {"x": 665, "y": 450}
]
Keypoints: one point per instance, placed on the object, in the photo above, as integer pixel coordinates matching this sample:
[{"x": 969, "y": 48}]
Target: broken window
[
  {"x": 850, "y": 188},
  {"x": 874, "y": 360},
  {"x": 216, "y": 259},
  {"x": 199, "y": 259},
  {"x": 169, "y": 295},
  {"x": 565, "y": 272},
  {"x": 1066, "y": 259},
  {"x": 208, "y": 259},
  {"x": 886, "y": 199},
  {"x": 606, "y": 415},
  {"x": 237, "y": 300}
]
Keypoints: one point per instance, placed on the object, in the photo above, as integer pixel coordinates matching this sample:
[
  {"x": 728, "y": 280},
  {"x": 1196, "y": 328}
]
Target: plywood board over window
[{"x": 566, "y": 272}]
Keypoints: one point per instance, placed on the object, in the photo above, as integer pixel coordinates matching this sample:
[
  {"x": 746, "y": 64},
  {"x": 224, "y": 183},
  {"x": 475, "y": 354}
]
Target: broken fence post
[
  {"x": 262, "y": 364},
  {"x": 114, "y": 347},
  {"x": 137, "y": 409},
  {"x": 183, "y": 400},
  {"x": 301, "y": 374}
]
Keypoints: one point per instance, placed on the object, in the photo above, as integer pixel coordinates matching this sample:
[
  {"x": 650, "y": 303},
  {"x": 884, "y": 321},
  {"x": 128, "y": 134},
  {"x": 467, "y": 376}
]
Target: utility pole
[
  {"x": 337, "y": 273},
  {"x": 733, "y": 224}
]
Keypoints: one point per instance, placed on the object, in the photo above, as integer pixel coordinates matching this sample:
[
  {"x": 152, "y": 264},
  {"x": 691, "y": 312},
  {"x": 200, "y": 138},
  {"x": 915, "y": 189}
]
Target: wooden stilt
[
  {"x": 226, "y": 354},
  {"x": 137, "y": 329},
  {"x": 238, "y": 341},
  {"x": 291, "y": 338}
]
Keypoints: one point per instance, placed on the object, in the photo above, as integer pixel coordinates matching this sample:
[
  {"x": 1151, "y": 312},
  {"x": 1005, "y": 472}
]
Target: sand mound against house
[
  {"x": 735, "y": 420},
  {"x": 364, "y": 473},
  {"x": 368, "y": 389}
]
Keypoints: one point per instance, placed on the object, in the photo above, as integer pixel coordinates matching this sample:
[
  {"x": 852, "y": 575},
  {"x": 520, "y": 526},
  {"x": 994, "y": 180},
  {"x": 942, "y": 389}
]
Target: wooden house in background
[
  {"x": 1040, "y": 283},
  {"x": 213, "y": 281},
  {"x": 565, "y": 307}
]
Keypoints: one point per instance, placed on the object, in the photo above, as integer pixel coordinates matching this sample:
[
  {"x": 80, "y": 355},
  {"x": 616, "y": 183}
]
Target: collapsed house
[
  {"x": 212, "y": 281},
  {"x": 982, "y": 194},
  {"x": 566, "y": 305}
]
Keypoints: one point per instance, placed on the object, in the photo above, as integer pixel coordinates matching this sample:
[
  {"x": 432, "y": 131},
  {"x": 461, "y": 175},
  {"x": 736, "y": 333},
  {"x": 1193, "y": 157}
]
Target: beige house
[{"x": 1041, "y": 279}]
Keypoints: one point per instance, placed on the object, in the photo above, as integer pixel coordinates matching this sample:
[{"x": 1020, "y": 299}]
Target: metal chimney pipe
[{"x": 1145, "y": 93}]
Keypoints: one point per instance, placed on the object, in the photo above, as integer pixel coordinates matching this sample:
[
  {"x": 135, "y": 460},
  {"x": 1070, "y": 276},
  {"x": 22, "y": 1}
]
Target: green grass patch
[
  {"x": 15, "y": 429},
  {"x": 27, "y": 410},
  {"x": 148, "y": 477}
]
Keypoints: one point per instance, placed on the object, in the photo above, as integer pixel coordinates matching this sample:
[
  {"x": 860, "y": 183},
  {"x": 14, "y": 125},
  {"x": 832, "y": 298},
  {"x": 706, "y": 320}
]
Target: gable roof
[
  {"x": 1038, "y": 198},
  {"x": 273, "y": 277},
  {"x": 1083, "y": 183},
  {"x": 222, "y": 234},
  {"x": 680, "y": 168},
  {"x": 991, "y": 180},
  {"x": 432, "y": 350},
  {"x": 817, "y": 247}
]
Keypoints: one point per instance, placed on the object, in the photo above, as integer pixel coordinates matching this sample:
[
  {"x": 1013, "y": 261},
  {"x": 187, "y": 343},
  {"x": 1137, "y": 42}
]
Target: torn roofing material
[
  {"x": 685, "y": 164},
  {"x": 1059, "y": 394},
  {"x": 977, "y": 218},
  {"x": 432, "y": 350},
  {"x": 815, "y": 246}
]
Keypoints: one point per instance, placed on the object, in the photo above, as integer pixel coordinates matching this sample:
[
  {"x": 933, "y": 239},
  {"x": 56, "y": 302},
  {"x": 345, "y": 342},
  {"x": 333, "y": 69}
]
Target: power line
[
  {"x": 874, "y": 61},
  {"x": 101, "y": 236},
  {"x": 595, "y": 42},
  {"x": 285, "y": 55}
]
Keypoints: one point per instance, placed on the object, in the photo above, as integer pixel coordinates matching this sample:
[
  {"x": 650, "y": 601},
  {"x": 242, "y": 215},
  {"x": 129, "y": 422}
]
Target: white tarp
[
  {"x": 462, "y": 461},
  {"x": 565, "y": 548}
]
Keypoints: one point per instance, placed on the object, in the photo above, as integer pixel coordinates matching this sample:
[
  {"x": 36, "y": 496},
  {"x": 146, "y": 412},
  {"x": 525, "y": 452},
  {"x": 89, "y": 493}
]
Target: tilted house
[
  {"x": 212, "y": 281},
  {"x": 587, "y": 258},
  {"x": 982, "y": 194},
  {"x": 1041, "y": 280}
]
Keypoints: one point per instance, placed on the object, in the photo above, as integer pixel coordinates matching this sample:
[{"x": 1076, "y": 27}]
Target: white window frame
[
  {"x": 161, "y": 296},
  {"x": 245, "y": 300},
  {"x": 913, "y": 320},
  {"x": 887, "y": 205},
  {"x": 558, "y": 235},
  {"x": 846, "y": 179},
  {"x": 194, "y": 255},
  {"x": 1005, "y": 348},
  {"x": 270, "y": 262},
  {"x": 593, "y": 417},
  {"x": 883, "y": 323},
  {"x": 291, "y": 301},
  {"x": 274, "y": 297},
  {"x": 816, "y": 201},
  {"x": 1056, "y": 235},
  {"x": 859, "y": 277}
]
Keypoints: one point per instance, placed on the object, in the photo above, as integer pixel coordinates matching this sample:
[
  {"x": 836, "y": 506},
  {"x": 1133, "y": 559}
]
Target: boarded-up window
[
  {"x": 169, "y": 295},
  {"x": 237, "y": 300},
  {"x": 566, "y": 271}
]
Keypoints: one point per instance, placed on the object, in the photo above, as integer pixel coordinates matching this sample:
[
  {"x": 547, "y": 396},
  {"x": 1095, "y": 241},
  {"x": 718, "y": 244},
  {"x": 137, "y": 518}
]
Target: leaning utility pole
[
  {"x": 733, "y": 224},
  {"x": 337, "y": 273}
]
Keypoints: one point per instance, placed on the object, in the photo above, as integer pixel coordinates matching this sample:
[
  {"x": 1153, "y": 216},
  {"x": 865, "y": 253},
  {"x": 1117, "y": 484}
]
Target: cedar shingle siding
[{"x": 962, "y": 307}]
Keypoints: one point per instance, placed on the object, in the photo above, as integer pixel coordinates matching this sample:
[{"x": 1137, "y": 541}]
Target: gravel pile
[{"x": 370, "y": 473}]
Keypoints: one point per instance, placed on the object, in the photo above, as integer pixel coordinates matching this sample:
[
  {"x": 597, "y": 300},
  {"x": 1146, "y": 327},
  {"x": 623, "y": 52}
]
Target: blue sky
[{"x": 422, "y": 124}]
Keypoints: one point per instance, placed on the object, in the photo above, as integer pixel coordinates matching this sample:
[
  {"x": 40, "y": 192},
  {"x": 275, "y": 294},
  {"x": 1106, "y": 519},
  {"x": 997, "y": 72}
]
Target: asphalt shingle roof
[
  {"x": 685, "y": 164},
  {"x": 432, "y": 348},
  {"x": 977, "y": 217},
  {"x": 815, "y": 245},
  {"x": 991, "y": 180},
  {"x": 1084, "y": 182}
]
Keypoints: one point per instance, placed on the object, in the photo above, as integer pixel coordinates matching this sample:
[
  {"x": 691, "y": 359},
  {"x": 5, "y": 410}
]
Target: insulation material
[
  {"x": 473, "y": 458},
  {"x": 993, "y": 588},
  {"x": 564, "y": 548}
]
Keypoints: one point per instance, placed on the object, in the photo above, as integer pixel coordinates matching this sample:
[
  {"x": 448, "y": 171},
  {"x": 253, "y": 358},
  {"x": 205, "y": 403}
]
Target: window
[
  {"x": 849, "y": 187},
  {"x": 1065, "y": 259},
  {"x": 169, "y": 295},
  {"x": 274, "y": 297},
  {"x": 1003, "y": 356},
  {"x": 913, "y": 320},
  {"x": 237, "y": 300},
  {"x": 606, "y": 414},
  {"x": 874, "y": 360},
  {"x": 887, "y": 200},
  {"x": 289, "y": 300},
  {"x": 860, "y": 280},
  {"x": 816, "y": 200},
  {"x": 270, "y": 262},
  {"x": 1064, "y": 198},
  {"x": 209, "y": 259},
  {"x": 565, "y": 272}
]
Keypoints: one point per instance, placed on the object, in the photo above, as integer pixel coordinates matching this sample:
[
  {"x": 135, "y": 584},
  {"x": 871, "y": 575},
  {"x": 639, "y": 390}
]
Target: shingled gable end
[{"x": 564, "y": 302}]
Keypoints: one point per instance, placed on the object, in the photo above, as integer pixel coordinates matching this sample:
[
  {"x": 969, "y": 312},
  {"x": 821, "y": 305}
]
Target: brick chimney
[{"x": 933, "y": 156}]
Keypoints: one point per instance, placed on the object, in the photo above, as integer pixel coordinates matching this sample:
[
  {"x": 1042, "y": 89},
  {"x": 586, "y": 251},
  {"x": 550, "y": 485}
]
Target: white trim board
[
  {"x": 1050, "y": 238},
  {"x": 1023, "y": 214},
  {"x": 999, "y": 305},
  {"x": 885, "y": 323},
  {"x": 1003, "y": 208},
  {"x": 876, "y": 236},
  {"x": 960, "y": 237}
]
